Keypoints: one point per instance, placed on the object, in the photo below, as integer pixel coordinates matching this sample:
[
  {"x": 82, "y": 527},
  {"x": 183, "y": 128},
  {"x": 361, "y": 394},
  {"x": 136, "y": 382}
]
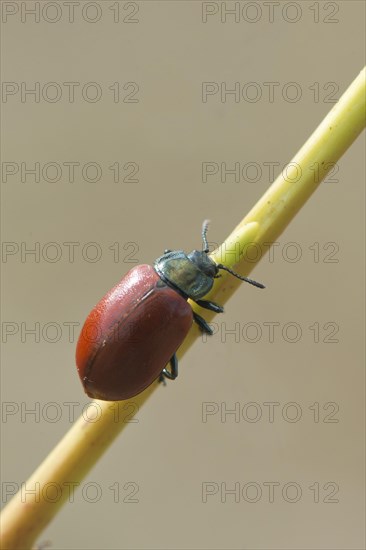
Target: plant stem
[{"x": 27, "y": 514}]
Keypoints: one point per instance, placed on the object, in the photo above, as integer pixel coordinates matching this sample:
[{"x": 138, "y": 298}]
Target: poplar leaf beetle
[{"x": 132, "y": 334}]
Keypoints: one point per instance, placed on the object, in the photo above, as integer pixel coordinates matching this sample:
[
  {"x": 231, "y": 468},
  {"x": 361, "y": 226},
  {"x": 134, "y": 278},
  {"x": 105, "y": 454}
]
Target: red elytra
[{"x": 130, "y": 335}]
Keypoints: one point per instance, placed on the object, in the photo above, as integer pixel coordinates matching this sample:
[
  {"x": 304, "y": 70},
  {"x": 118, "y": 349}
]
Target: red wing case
[{"x": 130, "y": 335}]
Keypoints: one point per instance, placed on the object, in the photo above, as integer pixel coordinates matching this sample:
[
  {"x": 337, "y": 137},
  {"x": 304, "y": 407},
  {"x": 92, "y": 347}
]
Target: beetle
[{"x": 132, "y": 334}]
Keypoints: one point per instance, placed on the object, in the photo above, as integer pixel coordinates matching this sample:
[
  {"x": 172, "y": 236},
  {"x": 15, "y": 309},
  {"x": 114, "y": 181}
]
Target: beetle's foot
[
  {"x": 170, "y": 374},
  {"x": 203, "y": 325}
]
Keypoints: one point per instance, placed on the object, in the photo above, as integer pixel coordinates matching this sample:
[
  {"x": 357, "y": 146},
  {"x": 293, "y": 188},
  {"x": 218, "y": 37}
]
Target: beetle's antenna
[
  {"x": 246, "y": 279},
  {"x": 204, "y": 233}
]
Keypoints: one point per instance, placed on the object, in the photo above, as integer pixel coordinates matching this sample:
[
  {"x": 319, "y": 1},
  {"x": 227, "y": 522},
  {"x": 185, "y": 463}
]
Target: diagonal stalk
[{"x": 24, "y": 518}]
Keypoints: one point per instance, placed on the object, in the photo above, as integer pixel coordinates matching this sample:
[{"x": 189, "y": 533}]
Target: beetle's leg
[
  {"x": 203, "y": 325},
  {"x": 172, "y": 373},
  {"x": 167, "y": 250},
  {"x": 210, "y": 305}
]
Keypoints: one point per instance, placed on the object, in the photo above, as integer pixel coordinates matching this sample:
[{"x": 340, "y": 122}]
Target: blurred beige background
[{"x": 120, "y": 103}]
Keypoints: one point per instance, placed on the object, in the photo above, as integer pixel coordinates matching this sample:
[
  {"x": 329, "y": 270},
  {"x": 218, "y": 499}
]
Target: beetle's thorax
[{"x": 191, "y": 275}]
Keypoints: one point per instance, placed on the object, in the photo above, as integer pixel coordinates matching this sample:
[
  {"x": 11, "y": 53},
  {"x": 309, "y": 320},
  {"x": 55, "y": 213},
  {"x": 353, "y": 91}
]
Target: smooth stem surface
[{"x": 26, "y": 515}]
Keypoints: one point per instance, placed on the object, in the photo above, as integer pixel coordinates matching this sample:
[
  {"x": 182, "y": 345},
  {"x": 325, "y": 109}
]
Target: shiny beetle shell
[{"x": 130, "y": 335}]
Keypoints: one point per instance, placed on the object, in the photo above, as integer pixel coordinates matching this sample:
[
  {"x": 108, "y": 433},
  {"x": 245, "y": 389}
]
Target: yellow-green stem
[{"x": 23, "y": 519}]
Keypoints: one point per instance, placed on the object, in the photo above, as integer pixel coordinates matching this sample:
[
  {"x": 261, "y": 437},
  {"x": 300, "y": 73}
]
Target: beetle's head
[
  {"x": 208, "y": 266},
  {"x": 204, "y": 263}
]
